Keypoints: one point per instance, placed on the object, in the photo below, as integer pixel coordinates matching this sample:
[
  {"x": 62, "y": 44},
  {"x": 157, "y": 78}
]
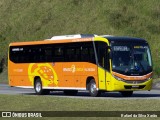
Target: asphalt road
[{"x": 153, "y": 94}]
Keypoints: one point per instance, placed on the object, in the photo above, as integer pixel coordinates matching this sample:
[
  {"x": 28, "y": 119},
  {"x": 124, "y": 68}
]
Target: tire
[
  {"x": 93, "y": 89},
  {"x": 126, "y": 93},
  {"x": 70, "y": 92},
  {"x": 38, "y": 88}
]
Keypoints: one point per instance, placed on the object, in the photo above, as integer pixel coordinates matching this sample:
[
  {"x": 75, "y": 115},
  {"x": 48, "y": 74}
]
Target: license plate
[{"x": 135, "y": 86}]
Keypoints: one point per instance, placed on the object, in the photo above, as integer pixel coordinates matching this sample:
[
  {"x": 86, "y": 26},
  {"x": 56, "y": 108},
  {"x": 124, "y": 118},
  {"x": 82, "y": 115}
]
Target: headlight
[
  {"x": 117, "y": 78},
  {"x": 149, "y": 78}
]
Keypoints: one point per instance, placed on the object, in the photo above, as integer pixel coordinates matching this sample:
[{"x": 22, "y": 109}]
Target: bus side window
[
  {"x": 70, "y": 54},
  {"x": 92, "y": 55},
  {"x": 58, "y": 54},
  {"x": 79, "y": 52},
  {"x": 85, "y": 55},
  {"x": 48, "y": 54},
  {"x": 87, "y": 52}
]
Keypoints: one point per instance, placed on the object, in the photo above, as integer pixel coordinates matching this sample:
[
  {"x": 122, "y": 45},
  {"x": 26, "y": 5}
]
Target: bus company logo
[
  {"x": 74, "y": 69},
  {"x": 71, "y": 69},
  {"x": 45, "y": 71},
  {"x": 18, "y": 70}
]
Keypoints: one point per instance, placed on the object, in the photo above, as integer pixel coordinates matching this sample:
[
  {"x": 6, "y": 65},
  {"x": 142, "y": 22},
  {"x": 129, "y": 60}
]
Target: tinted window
[
  {"x": 80, "y": 52},
  {"x": 69, "y": 52}
]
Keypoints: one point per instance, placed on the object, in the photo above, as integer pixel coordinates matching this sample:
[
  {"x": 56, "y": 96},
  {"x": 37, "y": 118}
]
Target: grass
[
  {"x": 51, "y": 103},
  {"x": 25, "y": 20},
  {"x": 4, "y": 76}
]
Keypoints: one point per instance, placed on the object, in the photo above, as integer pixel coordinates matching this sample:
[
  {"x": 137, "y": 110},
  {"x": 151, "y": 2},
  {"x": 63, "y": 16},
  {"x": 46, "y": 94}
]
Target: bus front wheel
[{"x": 93, "y": 89}]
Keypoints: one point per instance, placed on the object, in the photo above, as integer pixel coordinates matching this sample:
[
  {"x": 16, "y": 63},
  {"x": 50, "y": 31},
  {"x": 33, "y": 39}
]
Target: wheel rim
[
  {"x": 38, "y": 87},
  {"x": 93, "y": 88}
]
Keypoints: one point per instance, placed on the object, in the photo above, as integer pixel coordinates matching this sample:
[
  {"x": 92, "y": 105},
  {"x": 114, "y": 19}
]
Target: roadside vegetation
[{"x": 52, "y": 103}]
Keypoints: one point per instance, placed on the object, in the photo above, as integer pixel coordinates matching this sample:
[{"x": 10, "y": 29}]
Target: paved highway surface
[{"x": 153, "y": 94}]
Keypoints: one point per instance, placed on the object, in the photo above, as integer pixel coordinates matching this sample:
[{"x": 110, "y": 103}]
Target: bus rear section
[{"x": 68, "y": 65}]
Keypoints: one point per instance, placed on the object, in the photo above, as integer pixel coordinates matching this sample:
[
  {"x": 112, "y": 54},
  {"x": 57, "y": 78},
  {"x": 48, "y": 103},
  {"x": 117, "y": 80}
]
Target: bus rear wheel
[
  {"x": 38, "y": 88},
  {"x": 93, "y": 89},
  {"x": 126, "y": 93}
]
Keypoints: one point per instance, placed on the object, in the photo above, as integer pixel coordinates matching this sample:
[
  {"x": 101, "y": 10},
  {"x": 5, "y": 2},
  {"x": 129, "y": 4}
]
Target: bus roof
[
  {"x": 59, "y": 39},
  {"x": 77, "y": 38},
  {"x": 124, "y": 38}
]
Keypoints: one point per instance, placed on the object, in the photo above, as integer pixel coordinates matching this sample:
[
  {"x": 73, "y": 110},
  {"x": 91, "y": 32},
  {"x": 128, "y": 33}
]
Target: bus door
[{"x": 103, "y": 64}]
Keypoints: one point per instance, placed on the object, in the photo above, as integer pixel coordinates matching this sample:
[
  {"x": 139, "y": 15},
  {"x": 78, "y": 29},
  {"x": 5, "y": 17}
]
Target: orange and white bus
[{"x": 81, "y": 62}]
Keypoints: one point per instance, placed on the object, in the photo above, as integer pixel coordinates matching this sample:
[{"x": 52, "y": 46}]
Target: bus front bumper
[{"x": 123, "y": 86}]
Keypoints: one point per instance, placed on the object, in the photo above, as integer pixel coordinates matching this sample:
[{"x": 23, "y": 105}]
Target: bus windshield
[{"x": 131, "y": 59}]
